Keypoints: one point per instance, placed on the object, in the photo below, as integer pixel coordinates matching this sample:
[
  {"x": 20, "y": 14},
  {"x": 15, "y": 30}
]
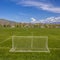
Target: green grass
[{"x": 54, "y": 42}]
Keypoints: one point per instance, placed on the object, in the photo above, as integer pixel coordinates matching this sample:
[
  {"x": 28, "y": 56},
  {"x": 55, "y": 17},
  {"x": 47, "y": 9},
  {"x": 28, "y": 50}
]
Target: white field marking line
[
  {"x": 6, "y": 39},
  {"x": 4, "y": 47},
  {"x": 55, "y": 48},
  {"x": 42, "y": 48},
  {"x": 32, "y": 51},
  {"x": 9, "y": 48}
]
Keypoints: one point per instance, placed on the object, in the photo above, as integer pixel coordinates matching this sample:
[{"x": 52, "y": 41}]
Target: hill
[{"x": 6, "y": 22}]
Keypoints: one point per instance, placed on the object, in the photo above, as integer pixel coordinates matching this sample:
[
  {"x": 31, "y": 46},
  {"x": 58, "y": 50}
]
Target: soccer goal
[{"x": 29, "y": 44}]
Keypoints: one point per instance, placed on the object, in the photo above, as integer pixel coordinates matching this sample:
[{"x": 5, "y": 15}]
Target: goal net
[{"x": 29, "y": 44}]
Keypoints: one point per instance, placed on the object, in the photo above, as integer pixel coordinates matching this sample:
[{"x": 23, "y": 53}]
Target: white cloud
[
  {"x": 47, "y": 20},
  {"x": 50, "y": 20},
  {"x": 40, "y": 5},
  {"x": 33, "y": 20}
]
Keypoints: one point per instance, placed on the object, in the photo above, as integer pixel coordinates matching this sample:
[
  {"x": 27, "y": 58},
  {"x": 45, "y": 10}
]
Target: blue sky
[{"x": 27, "y": 10}]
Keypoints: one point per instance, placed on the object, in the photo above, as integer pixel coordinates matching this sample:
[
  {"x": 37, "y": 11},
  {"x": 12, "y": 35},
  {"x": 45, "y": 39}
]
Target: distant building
[
  {"x": 42, "y": 26},
  {"x": 12, "y": 26}
]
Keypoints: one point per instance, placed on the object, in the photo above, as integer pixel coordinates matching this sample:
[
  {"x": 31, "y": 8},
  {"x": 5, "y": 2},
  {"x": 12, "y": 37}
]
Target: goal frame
[{"x": 13, "y": 49}]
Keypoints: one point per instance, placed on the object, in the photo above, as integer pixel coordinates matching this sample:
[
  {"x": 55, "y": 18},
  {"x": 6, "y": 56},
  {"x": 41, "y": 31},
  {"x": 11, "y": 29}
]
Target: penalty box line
[{"x": 6, "y": 40}]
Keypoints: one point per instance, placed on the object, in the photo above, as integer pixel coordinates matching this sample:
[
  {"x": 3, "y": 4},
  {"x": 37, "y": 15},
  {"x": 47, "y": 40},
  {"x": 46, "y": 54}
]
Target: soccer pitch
[{"x": 6, "y": 44}]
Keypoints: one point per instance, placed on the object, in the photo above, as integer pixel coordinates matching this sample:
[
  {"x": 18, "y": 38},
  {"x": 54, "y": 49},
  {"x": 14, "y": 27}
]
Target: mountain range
[
  {"x": 5, "y": 22},
  {"x": 51, "y": 20}
]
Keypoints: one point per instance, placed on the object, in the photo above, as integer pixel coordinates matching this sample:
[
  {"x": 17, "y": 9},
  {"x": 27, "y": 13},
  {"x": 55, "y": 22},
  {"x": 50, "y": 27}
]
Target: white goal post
[{"x": 29, "y": 44}]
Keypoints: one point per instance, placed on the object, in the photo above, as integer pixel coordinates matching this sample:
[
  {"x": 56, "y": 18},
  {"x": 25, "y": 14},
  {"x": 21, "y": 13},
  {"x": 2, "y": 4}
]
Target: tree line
[{"x": 33, "y": 25}]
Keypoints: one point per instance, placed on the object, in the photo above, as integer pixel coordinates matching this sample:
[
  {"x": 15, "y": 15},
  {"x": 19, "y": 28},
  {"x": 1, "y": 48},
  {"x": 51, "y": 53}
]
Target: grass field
[{"x": 6, "y": 43}]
